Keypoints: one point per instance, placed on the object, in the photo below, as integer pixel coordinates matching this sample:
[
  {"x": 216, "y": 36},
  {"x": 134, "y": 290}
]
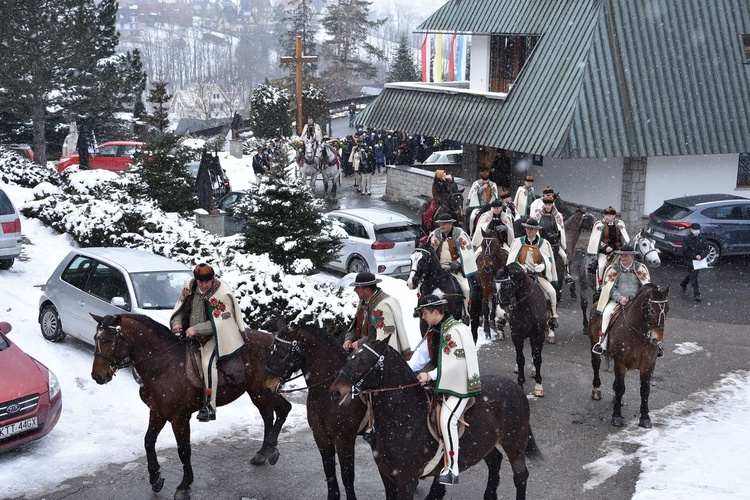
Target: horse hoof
[
  {"x": 645, "y": 423},
  {"x": 182, "y": 494},
  {"x": 533, "y": 371},
  {"x": 157, "y": 485},
  {"x": 258, "y": 459},
  {"x": 515, "y": 369},
  {"x": 500, "y": 335},
  {"x": 538, "y": 391},
  {"x": 596, "y": 395},
  {"x": 551, "y": 338},
  {"x": 618, "y": 421},
  {"x": 274, "y": 457}
]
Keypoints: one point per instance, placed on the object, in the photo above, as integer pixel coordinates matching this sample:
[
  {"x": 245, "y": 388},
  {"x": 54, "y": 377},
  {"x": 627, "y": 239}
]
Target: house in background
[
  {"x": 610, "y": 102},
  {"x": 201, "y": 101}
]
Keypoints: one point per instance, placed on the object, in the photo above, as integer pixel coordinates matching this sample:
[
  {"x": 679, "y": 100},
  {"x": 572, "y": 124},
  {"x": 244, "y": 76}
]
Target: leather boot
[{"x": 206, "y": 413}]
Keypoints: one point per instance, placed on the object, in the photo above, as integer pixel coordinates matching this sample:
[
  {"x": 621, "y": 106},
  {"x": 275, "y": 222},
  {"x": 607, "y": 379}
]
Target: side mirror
[{"x": 120, "y": 302}]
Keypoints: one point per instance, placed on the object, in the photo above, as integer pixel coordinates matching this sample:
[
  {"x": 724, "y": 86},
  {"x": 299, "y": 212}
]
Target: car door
[
  {"x": 104, "y": 283},
  {"x": 357, "y": 242},
  {"x": 67, "y": 294},
  {"x": 105, "y": 158},
  {"x": 731, "y": 226}
]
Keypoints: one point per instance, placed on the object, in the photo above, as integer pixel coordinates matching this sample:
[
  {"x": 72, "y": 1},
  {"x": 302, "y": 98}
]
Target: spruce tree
[
  {"x": 270, "y": 111},
  {"x": 298, "y": 21},
  {"x": 403, "y": 68},
  {"x": 284, "y": 220},
  {"x": 315, "y": 104},
  {"x": 159, "y": 99}
]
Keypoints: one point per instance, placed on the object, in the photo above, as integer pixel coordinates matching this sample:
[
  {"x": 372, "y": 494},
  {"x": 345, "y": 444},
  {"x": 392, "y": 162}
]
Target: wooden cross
[{"x": 299, "y": 59}]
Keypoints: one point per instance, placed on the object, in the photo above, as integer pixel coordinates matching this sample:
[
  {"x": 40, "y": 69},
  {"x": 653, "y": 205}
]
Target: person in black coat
[{"x": 693, "y": 248}]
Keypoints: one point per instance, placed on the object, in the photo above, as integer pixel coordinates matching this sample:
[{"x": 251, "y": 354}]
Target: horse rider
[
  {"x": 377, "y": 311},
  {"x": 207, "y": 311},
  {"x": 311, "y": 132},
  {"x": 622, "y": 280},
  {"x": 448, "y": 348},
  {"x": 538, "y": 203},
  {"x": 534, "y": 253},
  {"x": 525, "y": 196},
  {"x": 508, "y": 207},
  {"x": 443, "y": 186},
  {"x": 455, "y": 253},
  {"x": 491, "y": 220},
  {"x": 481, "y": 193},
  {"x": 607, "y": 236},
  {"x": 694, "y": 248},
  {"x": 552, "y": 223}
]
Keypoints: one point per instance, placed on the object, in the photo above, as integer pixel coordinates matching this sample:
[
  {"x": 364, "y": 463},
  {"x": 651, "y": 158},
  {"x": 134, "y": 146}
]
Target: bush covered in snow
[
  {"x": 94, "y": 208},
  {"x": 16, "y": 169}
]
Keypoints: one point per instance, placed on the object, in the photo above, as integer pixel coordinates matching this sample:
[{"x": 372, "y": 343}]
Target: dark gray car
[{"x": 724, "y": 220}]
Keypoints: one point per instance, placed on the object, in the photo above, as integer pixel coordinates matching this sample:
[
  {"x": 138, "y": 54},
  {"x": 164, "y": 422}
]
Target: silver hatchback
[
  {"x": 378, "y": 240},
  {"x": 10, "y": 232},
  {"x": 106, "y": 281}
]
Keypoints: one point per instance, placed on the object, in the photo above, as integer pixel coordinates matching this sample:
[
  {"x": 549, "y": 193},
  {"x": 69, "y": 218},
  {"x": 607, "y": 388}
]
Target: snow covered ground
[{"x": 102, "y": 424}]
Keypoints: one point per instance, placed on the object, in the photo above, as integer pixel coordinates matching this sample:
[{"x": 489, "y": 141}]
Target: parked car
[
  {"x": 449, "y": 160},
  {"x": 724, "y": 220},
  {"x": 22, "y": 149},
  {"x": 30, "y": 396},
  {"x": 232, "y": 224},
  {"x": 116, "y": 156},
  {"x": 10, "y": 232},
  {"x": 379, "y": 241},
  {"x": 107, "y": 281}
]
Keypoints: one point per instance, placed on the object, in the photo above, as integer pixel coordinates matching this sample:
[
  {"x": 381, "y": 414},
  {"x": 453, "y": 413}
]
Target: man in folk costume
[
  {"x": 455, "y": 253},
  {"x": 207, "y": 311},
  {"x": 449, "y": 348},
  {"x": 311, "y": 132},
  {"x": 491, "y": 220},
  {"x": 534, "y": 253},
  {"x": 509, "y": 208},
  {"x": 552, "y": 223},
  {"x": 481, "y": 194},
  {"x": 525, "y": 196},
  {"x": 622, "y": 280},
  {"x": 607, "y": 236},
  {"x": 379, "y": 311},
  {"x": 538, "y": 203}
]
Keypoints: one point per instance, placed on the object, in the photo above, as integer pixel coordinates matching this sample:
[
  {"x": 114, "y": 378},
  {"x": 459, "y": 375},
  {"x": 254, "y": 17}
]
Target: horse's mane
[
  {"x": 161, "y": 330},
  {"x": 646, "y": 289},
  {"x": 324, "y": 335}
]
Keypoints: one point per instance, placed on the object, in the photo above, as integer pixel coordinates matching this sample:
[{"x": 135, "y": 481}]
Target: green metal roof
[{"x": 608, "y": 78}]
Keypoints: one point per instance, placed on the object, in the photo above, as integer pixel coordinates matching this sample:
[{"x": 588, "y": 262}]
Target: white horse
[
  {"x": 328, "y": 162},
  {"x": 646, "y": 248},
  {"x": 308, "y": 164}
]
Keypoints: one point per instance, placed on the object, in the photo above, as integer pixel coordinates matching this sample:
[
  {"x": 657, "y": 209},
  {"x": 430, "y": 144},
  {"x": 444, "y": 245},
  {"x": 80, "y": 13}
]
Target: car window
[
  {"x": 725, "y": 212},
  {"x": 355, "y": 229},
  {"x": 106, "y": 282},
  {"x": 454, "y": 158},
  {"x": 228, "y": 202},
  {"x": 4, "y": 343},
  {"x": 398, "y": 234},
  {"x": 433, "y": 158},
  {"x": 108, "y": 151},
  {"x": 671, "y": 212},
  {"x": 159, "y": 290},
  {"x": 126, "y": 150},
  {"x": 6, "y": 207},
  {"x": 76, "y": 272}
]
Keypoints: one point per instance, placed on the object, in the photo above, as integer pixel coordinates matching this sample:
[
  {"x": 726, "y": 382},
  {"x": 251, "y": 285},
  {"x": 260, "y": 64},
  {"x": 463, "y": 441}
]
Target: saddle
[
  {"x": 231, "y": 370},
  {"x": 433, "y": 424}
]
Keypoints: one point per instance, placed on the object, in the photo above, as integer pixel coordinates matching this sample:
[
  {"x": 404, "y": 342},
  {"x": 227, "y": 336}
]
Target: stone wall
[
  {"x": 633, "y": 192},
  {"x": 412, "y": 185}
]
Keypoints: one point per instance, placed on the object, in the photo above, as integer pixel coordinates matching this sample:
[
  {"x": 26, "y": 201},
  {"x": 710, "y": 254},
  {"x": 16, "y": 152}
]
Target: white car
[
  {"x": 448, "y": 157},
  {"x": 106, "y": 281},
  {"x": 379, "y": 241},
  {"x": 10, "y": 232}
]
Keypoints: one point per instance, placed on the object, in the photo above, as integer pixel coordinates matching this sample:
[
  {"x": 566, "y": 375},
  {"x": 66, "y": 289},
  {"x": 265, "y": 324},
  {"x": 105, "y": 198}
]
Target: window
[
  {"x": 76, "y": 272},
  {"x": 106, "y": 283},
  {"x": 508, "y": 54},
  {"x": 746, "y": 44},
  {"x": 743, "y": 170}
]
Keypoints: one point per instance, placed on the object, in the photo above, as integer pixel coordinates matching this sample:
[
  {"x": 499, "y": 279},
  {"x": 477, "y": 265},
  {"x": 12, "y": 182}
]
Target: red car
[
  {"x": 116, "y": 156},
  {"x": 30, "y": 396}
]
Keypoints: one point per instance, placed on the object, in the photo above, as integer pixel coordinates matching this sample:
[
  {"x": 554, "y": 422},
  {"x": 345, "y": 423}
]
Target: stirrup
[
  {"x": 569, "y": 279},
  {"x": 447, "y": 477},
  {"x": 597, "y": 349},
  {"x": 206, "y": 413}
]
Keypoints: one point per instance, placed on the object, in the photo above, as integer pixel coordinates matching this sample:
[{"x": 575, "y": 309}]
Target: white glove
[{"x": 539, "y": 268}]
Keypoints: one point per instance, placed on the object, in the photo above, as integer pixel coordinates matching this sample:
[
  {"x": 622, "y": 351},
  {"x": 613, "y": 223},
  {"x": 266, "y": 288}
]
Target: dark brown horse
[
  {"x": 403, "y": 445},
  {"x": 492, "y": 256},
  {"x": 528, "y": 311},
  {"x": 172, "y": 389},
  {"x": 319, "y": 356},
  {"x": 432, "y": 208},
  {"x": 633, "y": 344}
]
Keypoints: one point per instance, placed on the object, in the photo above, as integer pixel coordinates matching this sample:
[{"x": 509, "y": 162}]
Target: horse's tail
[{"x": 532, "y": 449}]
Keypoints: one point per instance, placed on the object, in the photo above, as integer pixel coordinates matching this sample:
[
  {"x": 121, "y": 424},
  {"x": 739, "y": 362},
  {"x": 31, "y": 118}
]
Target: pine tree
[
  {"x": 159, "y": 98},
  {"x": 284, "y": 220},
  {"x": 315, "y": 104},
  {"x": 298, "y": 21},
  {"x": 347, "y": 52},
  {"x": 269, "y": 111},
  {"x": 403, "y": 68}
]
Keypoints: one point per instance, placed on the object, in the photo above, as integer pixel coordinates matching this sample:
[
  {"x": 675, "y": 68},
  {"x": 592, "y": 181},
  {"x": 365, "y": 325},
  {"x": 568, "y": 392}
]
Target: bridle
[
  {"x": 378, "y": 366},
  {"x": 118, "y": 365},
  {"x": 295, "y": 357}
]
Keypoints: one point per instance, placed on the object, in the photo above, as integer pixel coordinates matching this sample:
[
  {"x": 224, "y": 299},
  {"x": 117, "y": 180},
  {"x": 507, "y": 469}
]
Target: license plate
[
  {"x": 18, "y": 427},
  {"x": 659, "y": 234},
  {"x": 404, "y": 269}
]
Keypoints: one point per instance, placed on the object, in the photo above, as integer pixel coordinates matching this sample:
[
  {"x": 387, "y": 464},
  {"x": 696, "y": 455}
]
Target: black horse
[
  {"x": 427, "y": 274},
  {"x": 528, "y": 311},
  {"x": 319, "y": 356},
  {"x": 492, "y": 256},
  {"x": 404, "y": 446},
  {"x": 431, "y": 209}
]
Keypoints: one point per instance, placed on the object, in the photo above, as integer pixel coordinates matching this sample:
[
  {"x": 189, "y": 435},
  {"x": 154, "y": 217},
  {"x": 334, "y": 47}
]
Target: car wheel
[
  {"x": 714, "y": 253},
  {"x": 51, "y": 325},
  {"x": 6, "y": 263},
  {"x": 357, "y": 265}
]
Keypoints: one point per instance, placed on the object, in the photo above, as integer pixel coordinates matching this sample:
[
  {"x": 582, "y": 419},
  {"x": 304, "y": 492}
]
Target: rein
[
  {"x": 283, "y": 379},
  {"x": 118, "y": 365},
  {"x": 649, "y": 326},
  {"x": 379, "y": 365}
]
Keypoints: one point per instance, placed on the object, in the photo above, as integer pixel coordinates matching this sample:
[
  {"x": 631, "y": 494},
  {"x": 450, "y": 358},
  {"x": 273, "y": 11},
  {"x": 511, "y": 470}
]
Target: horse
[
  {"x": 633, "y": 344},
  {"x": 574, "y": 225},
  {"x": 432, "y": 208},
  {"x": 308, "y": 165},
  {"x": 328, "y": 162},
  {"x": 492, "y": 256},
  {"x": 319, "y": 356},
  {"x": 427, "y": 274},
  {"x": 171, "y": 385},
  {"x": 582, "y": 261},
  {"x": 528, "y": 310},
  {"x": 405, "y": 448}
]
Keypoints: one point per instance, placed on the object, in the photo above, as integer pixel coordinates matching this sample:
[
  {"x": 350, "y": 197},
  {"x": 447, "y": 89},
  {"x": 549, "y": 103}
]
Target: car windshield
[
  {"x": 672, "y": 212},
  {"x": 159, "y": 289},
  {"x": 398, "y": 234},
  {"x": 433, "y": 158},
  {"x": 4, "y": 343}
]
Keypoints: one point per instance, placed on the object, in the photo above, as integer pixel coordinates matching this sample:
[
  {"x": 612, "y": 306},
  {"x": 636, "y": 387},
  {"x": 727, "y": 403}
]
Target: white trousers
[
  {"x": 609, "y": 309},
  {"x": 210, "y": 373},
  {"x": 601, "y": 261},
  {"x": 365, "y": 183},
  {"x": 453, "y": 407},
  {"x": 547, "y": 287}
]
